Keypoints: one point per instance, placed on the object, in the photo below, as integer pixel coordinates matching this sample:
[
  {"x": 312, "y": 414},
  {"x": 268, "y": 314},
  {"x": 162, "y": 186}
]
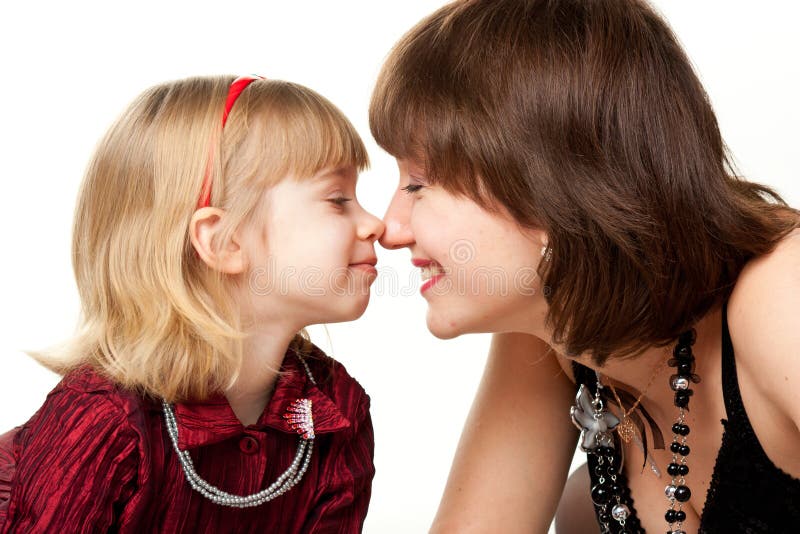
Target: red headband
[{"x": 237, "y": 86}]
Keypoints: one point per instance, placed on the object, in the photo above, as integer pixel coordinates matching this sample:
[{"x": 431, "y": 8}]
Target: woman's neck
[{"x": 634, "y": 374}]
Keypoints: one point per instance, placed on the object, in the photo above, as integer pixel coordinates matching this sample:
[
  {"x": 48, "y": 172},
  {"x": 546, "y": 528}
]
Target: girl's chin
[
  {"x": 356, "y": 308},
  {"x": 342, "y": 310}
]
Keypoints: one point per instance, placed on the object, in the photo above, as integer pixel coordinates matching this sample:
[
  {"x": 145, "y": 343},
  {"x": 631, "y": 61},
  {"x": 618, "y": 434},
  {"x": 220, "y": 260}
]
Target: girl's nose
[
  {"x": 397, "y": 233},
  {"x": 371, "y": 227}
]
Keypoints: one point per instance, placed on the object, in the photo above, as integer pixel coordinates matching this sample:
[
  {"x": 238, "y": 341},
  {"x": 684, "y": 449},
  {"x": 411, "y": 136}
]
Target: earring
[{"x": 546, "y": 253}]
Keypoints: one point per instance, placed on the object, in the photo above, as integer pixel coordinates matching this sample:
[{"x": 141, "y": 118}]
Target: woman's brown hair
[{"x": 583, "y": 118}]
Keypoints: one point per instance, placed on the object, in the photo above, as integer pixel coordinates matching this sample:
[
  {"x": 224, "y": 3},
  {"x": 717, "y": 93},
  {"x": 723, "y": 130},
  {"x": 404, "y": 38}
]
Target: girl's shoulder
[
  {"x": 83, "y": 436},
  {"x": 90, "y": 385},
  {"x": 85, "y": 380},
  {"x": 84, "y": 401}
]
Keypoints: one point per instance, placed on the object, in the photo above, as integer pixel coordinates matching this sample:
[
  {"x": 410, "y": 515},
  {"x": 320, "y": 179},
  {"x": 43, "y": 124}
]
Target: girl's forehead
[
  {"x": 343, "y": 173},
  {"x": 345, "y": 176}
]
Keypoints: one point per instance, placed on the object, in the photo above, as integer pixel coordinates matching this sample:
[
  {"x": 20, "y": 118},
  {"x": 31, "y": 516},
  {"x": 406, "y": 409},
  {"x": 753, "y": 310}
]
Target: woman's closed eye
[{"x": 412, "y": 188}]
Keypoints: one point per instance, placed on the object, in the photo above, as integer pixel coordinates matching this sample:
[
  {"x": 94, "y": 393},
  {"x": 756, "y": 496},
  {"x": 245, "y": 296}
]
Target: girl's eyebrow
[{"x": 336, "y": 174}]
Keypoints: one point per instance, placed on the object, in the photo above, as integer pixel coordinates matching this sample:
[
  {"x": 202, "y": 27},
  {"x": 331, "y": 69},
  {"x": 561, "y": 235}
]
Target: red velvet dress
[{"x": 96, "y": 458}]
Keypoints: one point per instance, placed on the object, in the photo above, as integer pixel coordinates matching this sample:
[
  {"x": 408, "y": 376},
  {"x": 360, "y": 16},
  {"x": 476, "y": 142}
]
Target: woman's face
[{"x": 478, "y": 268}]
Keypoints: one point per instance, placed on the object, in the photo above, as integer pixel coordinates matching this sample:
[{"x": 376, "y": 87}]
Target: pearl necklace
[{"x": 299, "y": 417}]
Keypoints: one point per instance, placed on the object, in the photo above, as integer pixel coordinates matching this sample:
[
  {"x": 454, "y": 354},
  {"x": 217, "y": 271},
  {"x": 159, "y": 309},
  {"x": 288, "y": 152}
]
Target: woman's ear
[
  {"x": 537, "y": 236},
  {"x": 539, "y": 239},
  {"x": 204, "y": 225}
]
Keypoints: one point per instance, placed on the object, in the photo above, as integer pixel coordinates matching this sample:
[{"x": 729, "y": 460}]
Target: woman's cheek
[{"x": 422, "y": 220}]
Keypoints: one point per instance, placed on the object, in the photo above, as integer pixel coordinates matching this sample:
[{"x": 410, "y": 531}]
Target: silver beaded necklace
[{"x": 300, "y": 419}]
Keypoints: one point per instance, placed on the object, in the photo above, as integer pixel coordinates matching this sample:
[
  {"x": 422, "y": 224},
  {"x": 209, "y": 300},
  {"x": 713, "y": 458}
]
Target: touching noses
[
  {"x": 370, "y": 227},
  {"x": 397, "y": 232}
]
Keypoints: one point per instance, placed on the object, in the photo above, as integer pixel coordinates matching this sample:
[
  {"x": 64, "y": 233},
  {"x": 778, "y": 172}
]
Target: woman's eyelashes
[{"x": 412, "y": 188}]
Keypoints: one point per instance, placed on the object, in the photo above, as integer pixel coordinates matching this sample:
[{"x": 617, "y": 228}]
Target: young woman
[{"x": 563, "y": 183}]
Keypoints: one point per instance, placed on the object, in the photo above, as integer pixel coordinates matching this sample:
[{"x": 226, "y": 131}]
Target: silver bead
[
  {"x": 284, "y": 483},
  {"x": 679, "y": 383},
  {"x": 669, "y": 491},
  {"x": 620, "y": 512}
]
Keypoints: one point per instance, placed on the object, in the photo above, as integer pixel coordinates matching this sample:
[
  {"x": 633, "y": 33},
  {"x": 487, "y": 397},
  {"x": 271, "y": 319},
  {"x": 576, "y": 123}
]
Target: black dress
[{"x": 748, "y": 493}]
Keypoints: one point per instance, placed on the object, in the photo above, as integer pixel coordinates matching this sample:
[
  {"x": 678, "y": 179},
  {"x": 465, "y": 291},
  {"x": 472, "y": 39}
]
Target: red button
[{"x": 248, "y": 445}]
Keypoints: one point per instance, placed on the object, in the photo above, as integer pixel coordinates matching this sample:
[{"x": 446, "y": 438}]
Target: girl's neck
[{"x": 262, "y": 358}]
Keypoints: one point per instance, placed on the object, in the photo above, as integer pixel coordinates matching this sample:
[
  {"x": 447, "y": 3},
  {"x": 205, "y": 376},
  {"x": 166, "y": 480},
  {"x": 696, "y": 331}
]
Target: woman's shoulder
[
  {"x": 763, "y": 306},
  {"x": 781, "y": 260},
  {"x": 763, "y": 315}
]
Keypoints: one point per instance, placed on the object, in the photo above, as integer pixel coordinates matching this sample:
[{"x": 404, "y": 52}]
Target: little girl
[{"x": 217, "y": 219}]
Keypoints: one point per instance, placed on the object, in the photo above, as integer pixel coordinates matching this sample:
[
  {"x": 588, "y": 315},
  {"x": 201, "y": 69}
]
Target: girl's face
[
  {"x": 478, "y": 268},
  {"x": 313, "y": 259}
]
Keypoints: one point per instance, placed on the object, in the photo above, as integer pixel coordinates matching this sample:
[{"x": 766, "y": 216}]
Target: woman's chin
[
  {"x": 447, "y": 321},
  {"x": 444, "y": 327}
]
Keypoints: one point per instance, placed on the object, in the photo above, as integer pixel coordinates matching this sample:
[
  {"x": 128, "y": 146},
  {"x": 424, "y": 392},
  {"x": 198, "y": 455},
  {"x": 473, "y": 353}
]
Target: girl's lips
[
  {"x": 365, "y": 267},
  {"x": 429, "y": 283}
]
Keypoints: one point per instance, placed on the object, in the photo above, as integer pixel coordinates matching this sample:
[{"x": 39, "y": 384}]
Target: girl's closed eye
[{"x": 340, "y": 201}]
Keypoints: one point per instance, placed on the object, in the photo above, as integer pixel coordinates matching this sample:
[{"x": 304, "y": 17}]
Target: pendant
[
  {"x": 593, "y": 420},
  {"x": 626, "y": 429},
  {"x": 649, "y": 458}
]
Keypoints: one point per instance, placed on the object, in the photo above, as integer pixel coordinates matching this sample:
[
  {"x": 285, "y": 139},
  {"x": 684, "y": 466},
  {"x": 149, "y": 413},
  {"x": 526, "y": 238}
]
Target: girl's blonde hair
[{"x": 155, "y": 317}]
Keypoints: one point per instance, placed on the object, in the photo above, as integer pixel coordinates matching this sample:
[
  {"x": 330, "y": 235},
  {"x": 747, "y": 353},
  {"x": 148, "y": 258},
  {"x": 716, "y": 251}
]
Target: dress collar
[{"x": 213, "y": 421}]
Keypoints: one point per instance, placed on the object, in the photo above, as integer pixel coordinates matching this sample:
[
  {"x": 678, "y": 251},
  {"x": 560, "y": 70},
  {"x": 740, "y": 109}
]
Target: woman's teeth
[{"x": 430, "y": 271}]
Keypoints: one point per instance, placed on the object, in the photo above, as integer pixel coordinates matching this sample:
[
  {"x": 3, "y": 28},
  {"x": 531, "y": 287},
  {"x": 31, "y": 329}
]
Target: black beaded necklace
[{"x": 610, "y": 493}]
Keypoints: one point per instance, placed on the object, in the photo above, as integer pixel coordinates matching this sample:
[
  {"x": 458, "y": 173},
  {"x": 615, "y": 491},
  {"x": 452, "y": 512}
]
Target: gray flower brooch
[{"x": 593, "y": 420}]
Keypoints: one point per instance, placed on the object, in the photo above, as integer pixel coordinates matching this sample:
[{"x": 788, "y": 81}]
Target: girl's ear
[{"x": 205, "y": 223}]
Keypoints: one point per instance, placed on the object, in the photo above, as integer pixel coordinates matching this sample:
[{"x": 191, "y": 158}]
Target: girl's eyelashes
[
  {"x": 340, "y": 201},
  {"x": 411, "y": 188}
]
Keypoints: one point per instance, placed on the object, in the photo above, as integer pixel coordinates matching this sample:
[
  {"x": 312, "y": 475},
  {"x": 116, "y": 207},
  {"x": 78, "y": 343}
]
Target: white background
[{"x": 68, "y": 68}]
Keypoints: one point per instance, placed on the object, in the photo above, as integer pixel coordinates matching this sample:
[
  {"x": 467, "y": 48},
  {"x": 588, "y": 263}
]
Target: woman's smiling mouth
[{"x": 431, "y": 272}]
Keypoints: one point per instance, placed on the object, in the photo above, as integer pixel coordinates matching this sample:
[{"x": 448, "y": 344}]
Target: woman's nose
[{"x": 397, "y": 233}]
